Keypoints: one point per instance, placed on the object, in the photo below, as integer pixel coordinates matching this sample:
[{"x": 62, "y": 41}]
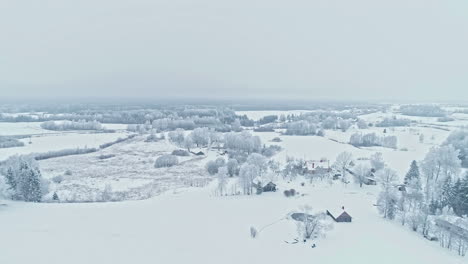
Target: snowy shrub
[
  {"x": 106, "y": 195},
  {"x": 253, "y": 232},
  {"x": 445, "y": 119},
  {"x": 68, "y": 172},
  {"x": 180, "y": 152},
  {"x": 266, "y": 128},
  {"x": 106, "y": 156},
  {"x": 152, "y": 138},
  {"x": 289, "y": 193},
  {"x": 9, "y": 142},
  {"x": 119, "y": 140},
  {"x": 55, "y": 197},
  {"x": 321, "y": 133},
  {"x": 57, "y": 179},
  {"x": 276, "y": 139},
  {"x": 271, "y": 150},
  {"x": 166, "y": 161},
  {"x": 62, "y": 153}
]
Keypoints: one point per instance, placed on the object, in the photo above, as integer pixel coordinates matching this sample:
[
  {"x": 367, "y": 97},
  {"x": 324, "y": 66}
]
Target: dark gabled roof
[{"x": 343, "y": 215}]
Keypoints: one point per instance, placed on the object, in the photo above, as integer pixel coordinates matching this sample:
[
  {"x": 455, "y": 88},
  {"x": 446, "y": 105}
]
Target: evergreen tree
[
  {"x": 460, "y": 197},
  {"x": 447, "y": 194},
  {"x": 413, "y": 173},
  {"x": 55, "y": 197},
  {"x": 24, "y": 179},
  {"x": 10, "y": 178},
  {"x": 30, "y": 183}
]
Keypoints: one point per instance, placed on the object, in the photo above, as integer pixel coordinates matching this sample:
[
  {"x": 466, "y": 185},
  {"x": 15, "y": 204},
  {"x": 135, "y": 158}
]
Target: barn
[{"x": 342, "y": 217}]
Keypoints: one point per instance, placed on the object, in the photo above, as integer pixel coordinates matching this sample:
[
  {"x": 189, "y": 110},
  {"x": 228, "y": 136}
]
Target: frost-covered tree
[
  {"x": 344, "y": 125},
  {"x": 387, "y": 200},
  {"x": 301, "y": 127},
  {"x": 177, "y": 137},
  {"x": 247, "y": 173},
  {"x": 293, "y": 168},
  {"x": 10, "y": 142},
  {"x": 361, "y": 124},
  {"x": 376, "y": 161},
  {"x": 343, "y": 162},
  {"x": 200, "y": 136},
  {"x": 390, "y": 142},
  {"x": 312, "y": 225},
  {"x": 361, "y": 172},
  {"x": 459, "y": 140},
  {"x": 72, "y": 125},
  {"x": 213, "y": 166},
  {"x": 243, "y": 142},
  {"x": 413, "y": 173},
  {"x": 259, "y": 161},
  {"x": 439, "y": 163},
  {"x": 107, "y": 193},
  {"x": 188, "y": 143},
  {"x": 421, "y": 138},
  {"x": 236, "y": 126},
  {"x": 233, "y": 167},
  {"x": 24, "y": 179},
  {"x": 222, "y": 177}
]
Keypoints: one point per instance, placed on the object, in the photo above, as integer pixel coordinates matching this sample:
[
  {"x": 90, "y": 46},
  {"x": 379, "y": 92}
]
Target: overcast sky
[{"x": 300, "y": 49}]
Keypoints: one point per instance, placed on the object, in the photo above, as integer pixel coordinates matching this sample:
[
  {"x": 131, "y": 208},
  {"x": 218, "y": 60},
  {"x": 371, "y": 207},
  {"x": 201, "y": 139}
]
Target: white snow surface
[{"x": 191, "y": 226}]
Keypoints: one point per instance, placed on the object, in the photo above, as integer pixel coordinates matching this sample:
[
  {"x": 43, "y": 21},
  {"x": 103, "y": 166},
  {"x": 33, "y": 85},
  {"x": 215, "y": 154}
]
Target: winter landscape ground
[
  {"x": 233, "y": 132},
  {"x": 115, "y": 204}
]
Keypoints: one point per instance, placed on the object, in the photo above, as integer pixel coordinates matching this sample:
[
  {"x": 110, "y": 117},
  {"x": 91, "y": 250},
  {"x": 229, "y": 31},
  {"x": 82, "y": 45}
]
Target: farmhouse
[{"x": 340, "y": 217}]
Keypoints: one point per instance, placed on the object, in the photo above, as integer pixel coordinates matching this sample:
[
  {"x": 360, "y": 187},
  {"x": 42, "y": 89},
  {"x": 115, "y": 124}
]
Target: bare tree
[
  {"x": 222, "y": 176},
  {"x": 343, "y": 162},
  {"x": 312, "y": 225},
  {"x": 387, "y": 199},
  {"x": 361, "y": 172}
]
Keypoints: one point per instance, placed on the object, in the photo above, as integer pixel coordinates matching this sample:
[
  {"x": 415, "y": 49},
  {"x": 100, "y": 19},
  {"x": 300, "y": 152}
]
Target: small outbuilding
[
  {"x": 340, "y": 217},
  {"x": 270, "y": 187}
]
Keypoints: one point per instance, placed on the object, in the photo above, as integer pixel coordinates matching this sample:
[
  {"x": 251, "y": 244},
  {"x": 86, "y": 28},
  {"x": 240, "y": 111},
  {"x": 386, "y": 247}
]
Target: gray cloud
[{"x": 319, "y": 49}]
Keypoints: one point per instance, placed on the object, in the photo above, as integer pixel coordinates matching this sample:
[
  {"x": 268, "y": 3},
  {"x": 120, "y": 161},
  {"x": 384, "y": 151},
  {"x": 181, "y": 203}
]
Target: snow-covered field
[
  {"x": 128, "y": 167},
  {"x": 58, "y": 141},
  {"x": 181, "y": 224},
  {"x": 191, "y": 226}
]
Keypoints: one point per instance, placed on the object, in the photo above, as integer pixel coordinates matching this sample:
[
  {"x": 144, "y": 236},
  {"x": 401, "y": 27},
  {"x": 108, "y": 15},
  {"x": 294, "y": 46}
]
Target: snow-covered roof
[{"x": 336, "y": 212}]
